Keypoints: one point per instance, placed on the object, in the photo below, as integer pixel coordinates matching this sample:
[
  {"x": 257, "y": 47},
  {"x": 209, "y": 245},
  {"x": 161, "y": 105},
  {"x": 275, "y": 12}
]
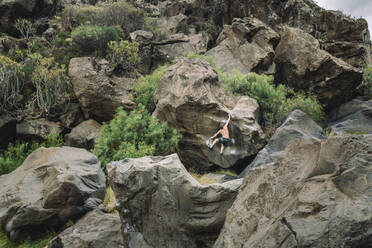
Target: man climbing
[{"x": 224, "y": 137}]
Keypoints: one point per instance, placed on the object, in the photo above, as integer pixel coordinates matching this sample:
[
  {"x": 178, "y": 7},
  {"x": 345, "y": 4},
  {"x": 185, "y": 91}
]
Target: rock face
[
  {"x": 38, "y": 129},
  {"x": 304, "y": 66},
  {"x": 246, "y": 45},
  {"x": 98, "y": 94},
  {"x": 318, "y": 194},
  {"x": 51, "y": 187},
  {"x": 7, "y": 129},
  {"x": 162, "y": 205},
  {"x": 354, "y": 117},
  {"x": 84, "y": 135},
  {"x": 11, "y": 10},
  {"x": 298, "y": 125},
  {"x": 95, "y": 230},
  {"x": 189, "y": 97}
]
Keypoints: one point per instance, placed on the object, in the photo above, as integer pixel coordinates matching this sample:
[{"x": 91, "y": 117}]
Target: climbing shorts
[{"x": 223, "y": 140}]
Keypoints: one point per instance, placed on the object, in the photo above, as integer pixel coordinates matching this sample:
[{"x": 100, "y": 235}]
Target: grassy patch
[
  {"x": 28, "y": 243},
  {"x": 109, "y": 200}
]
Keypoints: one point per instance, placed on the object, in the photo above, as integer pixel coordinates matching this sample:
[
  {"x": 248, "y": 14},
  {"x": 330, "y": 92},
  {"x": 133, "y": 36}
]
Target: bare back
[{"x": 225, "y": 132}]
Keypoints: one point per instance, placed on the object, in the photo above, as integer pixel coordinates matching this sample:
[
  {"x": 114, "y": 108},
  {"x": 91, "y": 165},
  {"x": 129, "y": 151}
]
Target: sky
[{"x": 356, "y": 8}]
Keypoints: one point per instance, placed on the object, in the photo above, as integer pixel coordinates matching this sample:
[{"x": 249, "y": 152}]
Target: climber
[{"x": 223, "y": 133}]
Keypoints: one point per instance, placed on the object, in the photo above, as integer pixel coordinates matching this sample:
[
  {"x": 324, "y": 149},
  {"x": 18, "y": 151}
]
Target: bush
[
  {"x": 87, "y": 39},
  {"x": 277, "y": 102},
  {"x": 367, "y": 82},
  {"x": 119, "y": 13},
  {"x": 134, "y": 135},
  {"x": 124, "y": 55},
  {"x": 52, "y": 86},
  {"x": 16, "y": 153},
  {"x": 25, "y": 28},
  {"x": 11, "y": 84},
  {"x": 145, "y": 88}
]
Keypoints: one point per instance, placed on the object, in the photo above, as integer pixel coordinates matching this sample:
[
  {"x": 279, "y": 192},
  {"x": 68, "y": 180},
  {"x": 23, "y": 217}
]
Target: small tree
[
  {"x": 25, "y": 28},
  {"x": 124, "y": 55},
  {"x": 11, "y": 84}
]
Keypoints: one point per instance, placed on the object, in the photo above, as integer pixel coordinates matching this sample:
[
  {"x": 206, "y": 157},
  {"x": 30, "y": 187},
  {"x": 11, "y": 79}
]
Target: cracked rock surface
[{"x": 317, "y": 194}]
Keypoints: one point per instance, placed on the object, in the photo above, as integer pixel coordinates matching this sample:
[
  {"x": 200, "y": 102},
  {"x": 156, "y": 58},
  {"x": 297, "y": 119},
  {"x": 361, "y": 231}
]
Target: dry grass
[{"x": 109, "y": 200}]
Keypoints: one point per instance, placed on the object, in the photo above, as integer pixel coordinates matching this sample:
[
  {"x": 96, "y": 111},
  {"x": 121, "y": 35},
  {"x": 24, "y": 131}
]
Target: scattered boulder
[
  {"x": 84, "y": 135},
  {"x": 51, "y": 187},
  {"x": 189, "y": 97},
  {"x": 318, "y": 194},
  {"x": 304, "y": 66},
  {"x": 161, "y": 204},
  {"x": 7, "y": 130},
  {"x": 298, "y": 125},
  {"x": 38, "y": 129},
  {"x": 99, "y": 95},
  {"x": 95, "y": 230},
  {"x": 354, "y": 117},
  {"x": 247, "y": 45},
  {"x": 72, "y": 117}
]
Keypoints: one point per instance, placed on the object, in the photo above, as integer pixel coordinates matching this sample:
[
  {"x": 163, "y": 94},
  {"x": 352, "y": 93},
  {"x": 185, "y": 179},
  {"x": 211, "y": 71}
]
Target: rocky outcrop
[
  {"x": 99, "y": 95},
  {"x": 189, "y": 97},
  {"x": 38, "y": 129},
  {"x": 354, "y": 117},
  {"x": 7, "y": 130},
  {"x": 11, "y": 10},
  {"x": 84, "y": 135},
  {"x": 304, "y": 66},
  {"x": 162, "y": 205},
  {"x": 72, "y": 117},
  {"x": 318, "y": 194},
  {"x": 298, "y": 125},
  {"x": 247, "y": 46},
  {"x": 50, "y": 188},
  {"x": 95, "y": 230}
]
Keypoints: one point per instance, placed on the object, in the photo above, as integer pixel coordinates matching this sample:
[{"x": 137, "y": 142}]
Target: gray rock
[
  {"x": 141, "y": 36},
  {"x": 7, "y": 129},
  {"x": 354, "y": 117},
  {"x": 38, "y": 129},
  {"x": 72, "y": 117},
  {"x": 189, "y": 97},
  {"x": 99, "y": 95},
  {"x": 50, "y": 188},
  {"x": 84, "y": 135},
  {"x": 331, "y": 79},
  {"x": 298, "y": 125},
  {"x": 247, "y": 46},
  {"x": 318, "y": 194},
  {"x": 162, "y": 205},
  {"x": 95, "y": 230}
]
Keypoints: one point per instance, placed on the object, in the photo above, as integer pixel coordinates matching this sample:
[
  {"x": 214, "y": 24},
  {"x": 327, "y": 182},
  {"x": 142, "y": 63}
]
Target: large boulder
[
  {"x": 11, "y": 10},
  {"x": 162, "y": 205},
  {"x": 354, "y": 117},
  {"x": 84, "y": 135},
  {"x": 50, "y": 188},
  {"x": 302, "y": 65},
  {"x": 189, "y": 97},
  {"x": 99, "y": 95},
  {"x": 37, "y": 129},
  {"x": 318, "y": 194},
  {"x": 298, "y": 125},
  {"x": 7, "y": 129},
  {"x": 247, "y": 46},
  {"x": 95, "y": 230}
]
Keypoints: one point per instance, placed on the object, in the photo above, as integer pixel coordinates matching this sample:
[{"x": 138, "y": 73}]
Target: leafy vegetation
[
  {"x": 134, "y": 135},
  {"x": 25, "y": 28},
  {"x": 367, "y": 82},
  {"x": 87, "y": 39},
  {"x": 41, "y": 243},
  {"x": 124, "y": 56},
  {"x": 15, "y": 154},
  {"x": 145, "y": 88},
  {"x": 11, "y": 84}
]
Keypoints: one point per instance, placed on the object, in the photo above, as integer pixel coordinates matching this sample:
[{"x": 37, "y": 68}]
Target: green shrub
[
  {"x": 25, "y": 28},
  {"x": 145, "y": 88},
  {"x": 134, "y": 135},
  {"x": 28, "y": 243},
  {"x": 15, "y": 154},
  {"x": 119, "y": 13},
  {"x": 52, "y": 86},
  {"x": 87, "y": 39},
  {"x": 11, "y": 84},
  {"x": 124, "y": 55},
  {"x": 367, "y": 82}
]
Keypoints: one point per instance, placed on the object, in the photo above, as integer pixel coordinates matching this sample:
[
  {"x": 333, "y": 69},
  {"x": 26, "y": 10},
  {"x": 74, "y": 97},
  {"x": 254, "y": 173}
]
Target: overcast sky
[{"x": 356, "y": 8}]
